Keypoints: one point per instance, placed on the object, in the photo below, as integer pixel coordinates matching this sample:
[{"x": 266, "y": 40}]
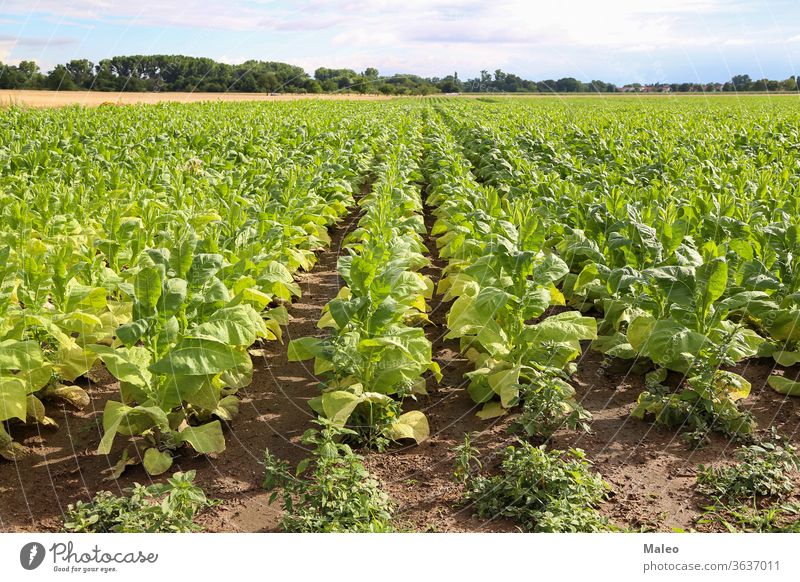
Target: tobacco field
[{"x": 438, "y": 314}]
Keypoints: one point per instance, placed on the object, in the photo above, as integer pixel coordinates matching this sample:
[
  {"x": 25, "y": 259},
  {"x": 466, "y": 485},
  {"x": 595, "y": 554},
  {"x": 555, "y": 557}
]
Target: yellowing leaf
[{"x": 411, "y": 425}]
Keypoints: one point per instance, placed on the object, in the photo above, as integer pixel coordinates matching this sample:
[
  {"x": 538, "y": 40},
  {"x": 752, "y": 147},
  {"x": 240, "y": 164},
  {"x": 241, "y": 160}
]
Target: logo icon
[{"x": 31, "y": 555}]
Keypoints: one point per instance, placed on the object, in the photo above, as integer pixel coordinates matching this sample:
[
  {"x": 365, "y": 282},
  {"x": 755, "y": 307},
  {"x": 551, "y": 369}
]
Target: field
[
  {"x": 609, "y": 286},
  {"x": 33, "y": 98}
]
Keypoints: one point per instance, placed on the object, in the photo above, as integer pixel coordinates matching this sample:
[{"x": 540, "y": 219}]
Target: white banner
[{"x": 399, "y": 557}]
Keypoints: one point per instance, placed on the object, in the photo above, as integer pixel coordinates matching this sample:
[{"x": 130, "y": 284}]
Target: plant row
[{"x": 376, "y": 353}]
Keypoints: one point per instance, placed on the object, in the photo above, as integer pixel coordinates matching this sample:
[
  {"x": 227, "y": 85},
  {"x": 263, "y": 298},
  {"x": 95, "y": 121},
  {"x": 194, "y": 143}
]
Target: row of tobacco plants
[{"x": 161, "y": 242}]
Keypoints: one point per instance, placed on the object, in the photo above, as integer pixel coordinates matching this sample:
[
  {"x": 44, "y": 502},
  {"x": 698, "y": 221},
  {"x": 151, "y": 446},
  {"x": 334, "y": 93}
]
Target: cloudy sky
[{"x": 614, "y": 40}]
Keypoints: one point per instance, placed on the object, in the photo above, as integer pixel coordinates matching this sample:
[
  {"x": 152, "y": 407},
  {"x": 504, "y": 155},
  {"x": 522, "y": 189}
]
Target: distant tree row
[{"x": 180, "y": 73}]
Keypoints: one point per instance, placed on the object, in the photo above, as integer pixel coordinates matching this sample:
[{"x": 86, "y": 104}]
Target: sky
[{"x": 617, "y": 41}]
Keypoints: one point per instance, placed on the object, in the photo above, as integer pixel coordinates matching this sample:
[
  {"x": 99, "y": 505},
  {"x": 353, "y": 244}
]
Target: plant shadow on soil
[{"x": 651, "y": 469}]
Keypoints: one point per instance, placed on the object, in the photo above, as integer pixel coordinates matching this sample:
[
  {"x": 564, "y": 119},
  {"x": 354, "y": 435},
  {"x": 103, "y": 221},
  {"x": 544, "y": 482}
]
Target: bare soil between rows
[{"x": 650, "y": 468}]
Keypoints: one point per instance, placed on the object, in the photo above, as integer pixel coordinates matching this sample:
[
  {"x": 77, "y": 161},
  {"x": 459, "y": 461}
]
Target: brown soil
[
  {"x": 29, "y": 98},
  {"x": 650, "y": 468}
]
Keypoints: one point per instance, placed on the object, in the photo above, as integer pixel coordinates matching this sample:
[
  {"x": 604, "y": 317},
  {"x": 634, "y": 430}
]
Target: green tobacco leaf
[
  {"x": 119, "y": 418},
  {"x": 712, "y": 279},
  {"x": 240, "y": 325},
  {"x": 147, "y": 287},
  {"x": 569, "y": 326},
  {"x": 549, "y": 269},
  {"x": 227, "y": 408},
  {"x": 615, "y": 345},
  {"x": 13, "y": 399},
  {"x": 126, "y": 365},
  {"x": 204, "y": 267},
  {"x": 338, "y": 405},
  {"x": 783, "y": 324},
  {"x": 156, "y": 462},
  {"x": 20, "y": 355},
  {"x": 304, "y": 348},
  {"x": 130, "y": 333},
  {"x": 786, "y": 358},
  {"x": 343, "y": 310},
  {"x": 784, "y": 385},
  {"x": 665, "y": 342},
  {"x": 206, "y": 438},
  {"x": 173, "y": 297},
  {"x": 200, "y": 357},
  {"x": 70, "y": 363},
  {"x": 81, "y": 297},
  {"x": 491, "y": 410},
  {"x": 505, "y": 383}
]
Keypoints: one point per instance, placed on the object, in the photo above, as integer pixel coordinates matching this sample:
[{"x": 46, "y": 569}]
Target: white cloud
[
  {"x": 434, "y": 37},
  {"x": 6, "y": 46}
]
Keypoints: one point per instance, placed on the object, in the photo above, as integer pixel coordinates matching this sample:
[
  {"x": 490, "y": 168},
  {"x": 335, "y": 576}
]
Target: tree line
[{"x": 155, "y": 73}]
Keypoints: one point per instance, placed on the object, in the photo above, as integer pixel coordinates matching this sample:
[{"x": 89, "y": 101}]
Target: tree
[
  {"x": 60, "y": 79},
  {"x": 82, "y": 72},
  {"x": 741, "y": 82},
  {"x": 568, "y": 85}
]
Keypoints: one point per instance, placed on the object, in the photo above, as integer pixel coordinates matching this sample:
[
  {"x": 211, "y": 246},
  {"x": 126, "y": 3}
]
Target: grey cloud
[{"x": 36, "y": 41}]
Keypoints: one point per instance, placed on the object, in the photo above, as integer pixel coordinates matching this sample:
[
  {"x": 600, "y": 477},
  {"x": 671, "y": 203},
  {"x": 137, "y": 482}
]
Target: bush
[
  {"x": 339, "y": 495},
  {"x": 543, "y": 491},
  {"x": 159, "y": 508}
]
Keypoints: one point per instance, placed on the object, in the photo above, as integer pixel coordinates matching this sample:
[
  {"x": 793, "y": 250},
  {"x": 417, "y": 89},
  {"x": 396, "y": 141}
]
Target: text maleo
[{"x": 660, "y": 549}]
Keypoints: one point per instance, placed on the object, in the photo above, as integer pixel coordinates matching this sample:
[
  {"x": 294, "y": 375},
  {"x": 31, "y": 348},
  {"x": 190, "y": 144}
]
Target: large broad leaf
[
  {"x": 147, "y": 287},
  {"x": 405, "y": 353},
  {"x": 784, "y": 385},
  {"x": 786, "y": 358},
  {"x": 70, "y": 363},
  {"x": 173, "y": 297},
  {"x": 126, "y": 365},
  {"x": 467, "y": 318},
  {"x": 20, "y": 355},
  {"x": 338, "y": 405},
  {"x": 304, "y": 348},
  {"x": 177, "y": 389},
  {"x": 665, "y": 342},
  {"x": 13, "y": 399},
  {"x": 615, "y": 345},
  {"x": 783, "y": 324},
  {"x": 240, "y": 325},
  {"x": 411, "y": 425},
  {"x": 564, "y": 327},
  {"x": 204, "y": 267},
  {"x": 81, "y": 297},
  {"x": 491, "y": 410},
  {"x": 130, "y": 333},
  {"x": 156, "y": 462},
  {"x": 550, "y": 269},
  {"x": 200, "y": 357},
  {"x": 505, "y": 383},
  {"x": 342, "y": 310},
  {"x": 252, "y": 296},
  {"x": 119, "y": 418},
  {"x": 676, "y": 283},
  {"x": 206, "y": 438},
  {"x": 34, "y": 379},
  {"x": 712, "y": 279}
]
